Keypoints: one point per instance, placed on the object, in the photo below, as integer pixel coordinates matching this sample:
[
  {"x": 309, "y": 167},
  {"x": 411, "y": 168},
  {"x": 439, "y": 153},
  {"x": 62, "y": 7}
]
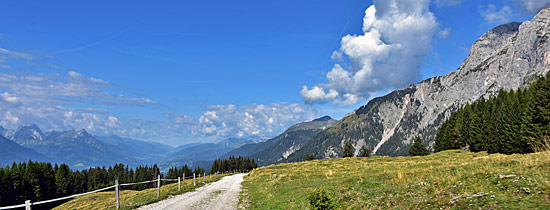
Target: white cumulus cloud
[
  {"x": 397, "y": 35},
  {"x": 240, "y": 121}
]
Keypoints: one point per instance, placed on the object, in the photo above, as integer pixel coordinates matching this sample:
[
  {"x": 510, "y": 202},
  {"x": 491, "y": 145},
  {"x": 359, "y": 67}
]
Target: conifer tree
[
  {"x": 417, "y": 148},
  {"x": 365, "y": 152},
  {"x": 476, "y": 133},
  {"x": 536, "y": 118},
  {"x": 348, "y": 150}
]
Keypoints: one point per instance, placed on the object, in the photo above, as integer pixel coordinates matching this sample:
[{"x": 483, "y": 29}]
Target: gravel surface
[{"x": 223, "y": 194}]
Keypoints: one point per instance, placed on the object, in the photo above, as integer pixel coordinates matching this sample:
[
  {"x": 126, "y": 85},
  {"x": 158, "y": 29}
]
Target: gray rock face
[{"x": 507, "y": 57}]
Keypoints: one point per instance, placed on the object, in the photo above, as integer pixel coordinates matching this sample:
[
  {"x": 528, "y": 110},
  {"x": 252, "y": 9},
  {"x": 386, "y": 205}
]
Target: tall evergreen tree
[
  {"x": 348, "y": 150},
  {"x": 536, "y": 118},
  {"x": 476, "y": 125},
  {"x": 417, "y": 148},
  {"x": 365, "y": 152}
]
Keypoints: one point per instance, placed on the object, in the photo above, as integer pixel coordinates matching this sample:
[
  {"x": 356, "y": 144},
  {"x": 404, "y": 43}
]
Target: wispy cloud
[
  {"x": 492, "y": 14},
  {"x": 447, "y": 3},
  {"x": 97, "y": 43},
  {"x": 49, "y": 100},
  {"x": 15, "y": 54},
  {"x": 72, "y": 88},
  {"x": 532, "y": 6}
]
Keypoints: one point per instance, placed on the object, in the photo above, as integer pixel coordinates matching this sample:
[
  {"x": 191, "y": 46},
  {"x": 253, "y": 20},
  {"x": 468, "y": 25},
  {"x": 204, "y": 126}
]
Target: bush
[
  {"x": 319, "y": 199},
  {"x": 310, "y": 157}
]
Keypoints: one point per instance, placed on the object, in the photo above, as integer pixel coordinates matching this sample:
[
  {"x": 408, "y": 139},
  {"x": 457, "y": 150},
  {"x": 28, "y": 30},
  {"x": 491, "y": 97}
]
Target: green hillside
[{"x": 448, "y": 180}]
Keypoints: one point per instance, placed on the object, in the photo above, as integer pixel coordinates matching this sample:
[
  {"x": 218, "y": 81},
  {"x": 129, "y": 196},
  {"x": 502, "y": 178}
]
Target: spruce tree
[
  {"x": 365, "y": 152},
  {"x": 476, "y": 133},
  {"x": 348, "y": 150},
  {"x": 417, "y": 148},
  {"x": 536, "y": 118}
]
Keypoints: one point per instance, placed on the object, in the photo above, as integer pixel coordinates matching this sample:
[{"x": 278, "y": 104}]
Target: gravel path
[{"x": 223, "y": 194}]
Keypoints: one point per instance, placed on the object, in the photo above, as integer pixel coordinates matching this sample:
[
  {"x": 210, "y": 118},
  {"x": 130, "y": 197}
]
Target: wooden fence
[{"x": 28, "y": 204}]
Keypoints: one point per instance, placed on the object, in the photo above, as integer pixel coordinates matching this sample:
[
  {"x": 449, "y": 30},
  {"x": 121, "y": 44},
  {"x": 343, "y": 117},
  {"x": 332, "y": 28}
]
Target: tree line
[
  {"x": 175, "y": 172},
  {"x": 512, "y": 122},
  {"x": 233, "y": 164},
  {"x": 38, "y": 181}
]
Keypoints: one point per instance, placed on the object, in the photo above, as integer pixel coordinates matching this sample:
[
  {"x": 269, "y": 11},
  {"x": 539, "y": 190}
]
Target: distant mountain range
[
  {"x": 78, "y": 148},
  {"x": 81, "y": 150},
  {"x": 279, "y": 148},
  {"x": 204, "y": 154}
]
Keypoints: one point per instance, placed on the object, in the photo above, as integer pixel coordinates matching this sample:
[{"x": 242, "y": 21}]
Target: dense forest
[
  {"x": 233, "y": 164},
  {"x": 38, "y": 181},
  {"x": 512, "y": 122}
]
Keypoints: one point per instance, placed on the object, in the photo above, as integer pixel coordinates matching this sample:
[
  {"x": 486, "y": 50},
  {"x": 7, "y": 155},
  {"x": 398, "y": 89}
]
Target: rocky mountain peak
[
  {"x": 29, "y": 132},
  {"x": 509, "y": 56},
  {"x": 321, "y": 119}
]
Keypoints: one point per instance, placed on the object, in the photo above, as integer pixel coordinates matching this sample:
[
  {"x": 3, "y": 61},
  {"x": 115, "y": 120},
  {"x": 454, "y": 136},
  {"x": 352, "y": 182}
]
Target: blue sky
[{"x": 190, "y": 71}]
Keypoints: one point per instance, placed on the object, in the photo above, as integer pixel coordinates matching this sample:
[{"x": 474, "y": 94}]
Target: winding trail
[{"x": 223, "y": 194}]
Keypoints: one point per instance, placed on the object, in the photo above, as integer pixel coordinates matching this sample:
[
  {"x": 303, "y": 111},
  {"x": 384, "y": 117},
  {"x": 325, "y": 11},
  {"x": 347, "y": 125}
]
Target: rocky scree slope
[{"x": 507, "y": 57}]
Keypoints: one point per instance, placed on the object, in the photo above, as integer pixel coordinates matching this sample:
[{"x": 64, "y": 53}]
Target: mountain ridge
[
  {"x": 281, "y": 146},
  {"x": 506, "y": 57}
]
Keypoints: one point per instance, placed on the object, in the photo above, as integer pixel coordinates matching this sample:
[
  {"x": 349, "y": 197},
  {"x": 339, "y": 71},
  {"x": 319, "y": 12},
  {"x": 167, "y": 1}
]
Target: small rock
[{"x": 507, "y": 176}]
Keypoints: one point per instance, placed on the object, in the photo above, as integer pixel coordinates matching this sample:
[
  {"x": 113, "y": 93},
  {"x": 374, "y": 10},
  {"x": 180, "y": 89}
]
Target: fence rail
[{"x": 28, "y": 203}]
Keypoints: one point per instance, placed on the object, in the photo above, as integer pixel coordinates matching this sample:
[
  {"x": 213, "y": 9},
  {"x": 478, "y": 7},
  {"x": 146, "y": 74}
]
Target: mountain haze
[
  {"x": 507, "y": 57},
  {"x": 78, "y": 148},
  {"x": 12, "y": 152},
  {"x": 281, "y": 146}
]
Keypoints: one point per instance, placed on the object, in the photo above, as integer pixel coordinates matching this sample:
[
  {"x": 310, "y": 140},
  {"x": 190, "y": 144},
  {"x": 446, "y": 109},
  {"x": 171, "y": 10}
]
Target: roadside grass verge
[
  {"x": 444, "y": 180},
  {"x": 130, "y": 199}
]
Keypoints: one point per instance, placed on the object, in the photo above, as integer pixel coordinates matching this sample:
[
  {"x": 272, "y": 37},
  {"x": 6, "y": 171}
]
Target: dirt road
[{"x": 223, "y": 194}]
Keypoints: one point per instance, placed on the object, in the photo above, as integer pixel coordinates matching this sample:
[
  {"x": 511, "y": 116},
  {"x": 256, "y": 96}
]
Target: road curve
[{"x": 223, "y": 194}]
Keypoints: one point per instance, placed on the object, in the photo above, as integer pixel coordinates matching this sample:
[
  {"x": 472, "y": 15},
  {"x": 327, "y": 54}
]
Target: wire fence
[{"x": 28, "y": 204}]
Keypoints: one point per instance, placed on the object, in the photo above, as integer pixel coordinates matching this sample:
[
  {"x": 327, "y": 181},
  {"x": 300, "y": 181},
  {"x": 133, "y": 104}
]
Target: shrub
[
  {"x": 310, "y": 157},
  {"x": 319, "y": 199}
]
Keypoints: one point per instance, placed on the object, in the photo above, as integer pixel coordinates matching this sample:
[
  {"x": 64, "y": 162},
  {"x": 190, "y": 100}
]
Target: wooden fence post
[
  {"x": 183, "y": 181},
  {"x": 204, "y": 177},
  {"x": 28, "y": 205},
  {"x": 158, "y": 186},
  {"x": 194, "y": 183},
  {"x": 199, "y": 178},
  {"x": 179, "y": 184},
  {"x": 116, "y": 193}
]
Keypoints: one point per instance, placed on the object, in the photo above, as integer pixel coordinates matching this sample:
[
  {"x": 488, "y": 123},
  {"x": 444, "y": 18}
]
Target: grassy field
[
  {"x": 130, "y": 199},
  {"x": 445, "y": 180}
]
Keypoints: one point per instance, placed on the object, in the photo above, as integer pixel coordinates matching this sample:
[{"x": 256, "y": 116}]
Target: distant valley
[{"x": 81, "y": 150}]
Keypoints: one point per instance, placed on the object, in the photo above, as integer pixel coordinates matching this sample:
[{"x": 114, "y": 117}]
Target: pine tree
[
  {"x": 536, "y": 118},
  {"x": 510, "y": 122},
  {"x": 476, "y": 133},
  {"x": 63, "y": 178},
  {"x": 348, "y": 150},
  {"x": 441, "y": 137},
  {"x": 417, "y": 148},
  {"x": 365, "y": 152}
]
